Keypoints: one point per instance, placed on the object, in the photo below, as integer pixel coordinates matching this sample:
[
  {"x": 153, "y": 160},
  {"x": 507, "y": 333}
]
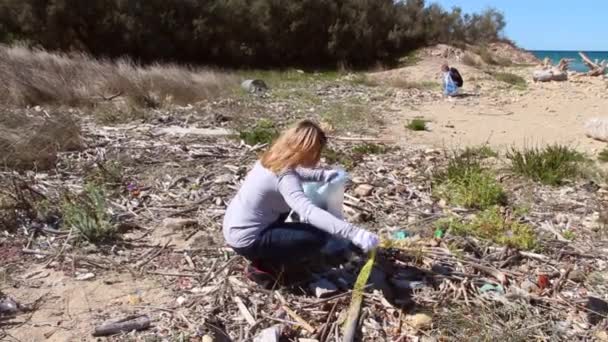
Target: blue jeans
[{"x": 285, "y": 244}]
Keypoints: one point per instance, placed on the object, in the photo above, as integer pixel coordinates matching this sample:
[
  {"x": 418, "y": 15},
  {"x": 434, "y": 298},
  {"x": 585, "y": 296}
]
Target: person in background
[
  {"x": 452, "y": 80},
  {"x": 254, "y": 224}
]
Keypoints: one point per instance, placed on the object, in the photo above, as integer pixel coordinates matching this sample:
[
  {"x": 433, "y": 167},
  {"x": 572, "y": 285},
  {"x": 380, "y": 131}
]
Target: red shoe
[{"x": 263, "y": 278}]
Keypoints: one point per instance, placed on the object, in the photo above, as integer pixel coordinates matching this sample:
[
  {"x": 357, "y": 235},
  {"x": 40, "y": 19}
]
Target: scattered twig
[{"x": 244, "y": 312}]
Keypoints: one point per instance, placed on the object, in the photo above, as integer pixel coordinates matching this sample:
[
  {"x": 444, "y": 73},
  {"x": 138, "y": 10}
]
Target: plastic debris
[
  {"x": 597, "y": 310},
  {"x": 271, "y": 334},
  {"x": 85, "y": 276},
  {"x": 323, "y": 288},
  {"x": 543, "y": 281},
  {"x": 491, "y": 288},
  {"x": 400, "y": 235},
  {"x": 439, "y": 233},
  {"x": 8, "y": 307}
]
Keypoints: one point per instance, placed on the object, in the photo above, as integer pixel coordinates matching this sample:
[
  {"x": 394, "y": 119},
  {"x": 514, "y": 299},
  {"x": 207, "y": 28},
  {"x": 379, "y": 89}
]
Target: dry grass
[
  {"x": 31, "y": 140},
  {"x": 37, "y": 77}
]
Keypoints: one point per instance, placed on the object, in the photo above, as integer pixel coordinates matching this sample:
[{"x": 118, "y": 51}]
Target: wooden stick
[
  {"x": 125, "y": 325},
  {"x": 170, "y": 274},
  {"x": 243, "y": 309},
  {"x": 588, "y": 61},
  {"x": 293, "y": 314},
  {"x": 299, "y": 319},
  {"x": 325, "y": 331},
  {"x": 563, "y": 277}
]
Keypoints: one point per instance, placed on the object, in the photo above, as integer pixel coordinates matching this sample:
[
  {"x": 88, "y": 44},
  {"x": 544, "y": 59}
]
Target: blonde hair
[{"x": 300, "y": 145}]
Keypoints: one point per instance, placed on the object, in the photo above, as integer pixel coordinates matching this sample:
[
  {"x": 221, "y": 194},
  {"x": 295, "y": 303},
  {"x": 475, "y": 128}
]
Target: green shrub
[
  {"x": 88, "y": 215},
  {"x": 268, "y": 33},
  {"x": 477, "y": 190},
  {"x": 603, "y": 156},
  {"x": 511, "y": 79},
  {"x": 263, "y": 132},
  {"x": 551, "y": 165},
  {"x": 466, "y": 183},
  {"x": 492, "y": 225},
  {"x": 417, "y": 125}
]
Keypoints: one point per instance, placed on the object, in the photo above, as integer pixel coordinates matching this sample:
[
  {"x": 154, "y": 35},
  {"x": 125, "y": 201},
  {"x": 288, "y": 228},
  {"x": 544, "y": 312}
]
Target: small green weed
[
  {"x": 464, "y": 182},
  {"x": 603, "y": 156},
  {"x": 512, "y": 79},
  {"x": 276, "y": 79},
  {"x": 492, "y": 225},
  {"x": 569, "y": 235},
  {"x": 369, "y": 148},
  {"x": 105, "y": 173},
  {"x": 481, "y": 152},
  {"x": 551, "y": 165},
  {"x": 417, "y": 124},
  {"x": 333, "y": 157},
  {"x": 263, "y": 132},
  {"x": 88, "y": 215}
]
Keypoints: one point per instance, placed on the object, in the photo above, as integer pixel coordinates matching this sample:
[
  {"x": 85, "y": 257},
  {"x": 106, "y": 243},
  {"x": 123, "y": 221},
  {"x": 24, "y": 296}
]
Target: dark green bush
[
  {"x": 264, "y": 33},
  {"x": 263, "y": 132}
]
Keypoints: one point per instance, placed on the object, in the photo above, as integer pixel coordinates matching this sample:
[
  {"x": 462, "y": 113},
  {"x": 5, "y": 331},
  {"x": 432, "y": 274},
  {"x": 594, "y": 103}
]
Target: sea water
[{"x": 577, "y": 64}]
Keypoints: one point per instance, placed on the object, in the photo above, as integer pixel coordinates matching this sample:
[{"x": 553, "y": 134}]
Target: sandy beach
[{"x": 495, "y": 113}]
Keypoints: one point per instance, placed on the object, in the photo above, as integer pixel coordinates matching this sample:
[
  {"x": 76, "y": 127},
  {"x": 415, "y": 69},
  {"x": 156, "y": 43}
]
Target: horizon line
[{"x": 570, "y": 50}]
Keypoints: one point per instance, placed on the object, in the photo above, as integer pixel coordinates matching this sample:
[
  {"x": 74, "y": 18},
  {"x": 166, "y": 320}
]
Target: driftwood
[
  {"x": 552, "y": 72},
  {"x": 124, "y": 325},
  {"x": 595, "y": 69}
]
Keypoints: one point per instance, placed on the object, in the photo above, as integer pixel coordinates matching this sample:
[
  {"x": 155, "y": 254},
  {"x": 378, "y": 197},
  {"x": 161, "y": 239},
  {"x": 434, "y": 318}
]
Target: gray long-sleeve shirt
[{"x": 264, "y": 196}]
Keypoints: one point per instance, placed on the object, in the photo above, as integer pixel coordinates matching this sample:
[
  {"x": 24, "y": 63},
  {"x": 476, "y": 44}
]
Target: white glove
[
  {"x": 365, "y": 240},
  {"x": 330, "y": 175}
]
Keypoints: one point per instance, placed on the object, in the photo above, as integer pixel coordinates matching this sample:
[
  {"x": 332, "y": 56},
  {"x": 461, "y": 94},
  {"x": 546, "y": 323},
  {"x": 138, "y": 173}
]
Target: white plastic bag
[{"x": 328, "y": 196}]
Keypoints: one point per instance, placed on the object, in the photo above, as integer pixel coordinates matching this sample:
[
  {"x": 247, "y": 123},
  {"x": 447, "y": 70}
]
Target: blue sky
[{"x": 548, "y": 24}]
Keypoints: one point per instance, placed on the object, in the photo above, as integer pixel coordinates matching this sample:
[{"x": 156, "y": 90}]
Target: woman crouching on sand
[{"x": 254, "y": 225}]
